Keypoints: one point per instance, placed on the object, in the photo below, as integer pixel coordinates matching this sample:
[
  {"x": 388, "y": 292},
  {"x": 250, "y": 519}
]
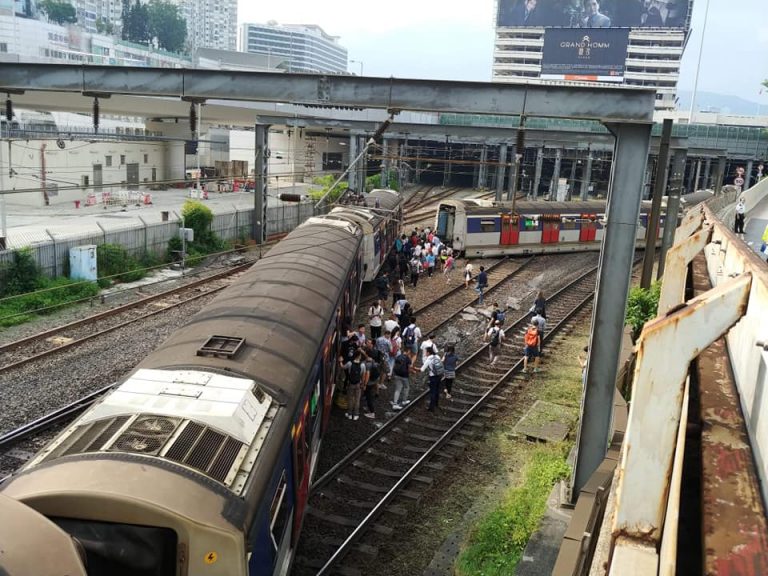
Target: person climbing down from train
[
  {"x": 411, "y": 337},
  {"x": 468, "y": 269},
  {"x": 738, "y": 225},
  {"x": 401, "y": 377},
  {"x": 494, "y": 336},
  {"x": 375, "y": 312},
  {"x": 450, "y": 362},
  {"x": 355, "y": 369},
  {"x": 448, "y": 268},
  {"x": 415, "y": 268},
  {"x": 435, "y": 370},
  {"x": 482, "y": 284},
  {"x": 531, "y": 350}
]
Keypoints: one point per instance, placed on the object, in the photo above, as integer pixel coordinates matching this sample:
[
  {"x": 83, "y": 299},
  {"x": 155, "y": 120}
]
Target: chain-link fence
[{"x": 50, "y": 249}]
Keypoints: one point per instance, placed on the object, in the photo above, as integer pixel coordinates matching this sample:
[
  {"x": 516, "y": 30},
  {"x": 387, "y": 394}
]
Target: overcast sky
[{"x": 453, "y": 39}]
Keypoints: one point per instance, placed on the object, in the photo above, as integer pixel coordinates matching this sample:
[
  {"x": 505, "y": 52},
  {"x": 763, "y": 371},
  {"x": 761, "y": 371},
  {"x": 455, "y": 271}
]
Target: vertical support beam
[
  {"x": 720, "y": 174},
  {"x": 362, "y": 166},
  {"x": 651, "y": 232},
  {"x": 482, "y": 176},
  {"x": 537, "y": 175},
  {"x": 515, "y": 174},
  {"x": 697, "y": 178},
  {"x": 261, "y": 175},
  {"x": 353, "y": 173},
  {"x": 572, "y": 176},
  {"x": 555, "y": 173},
  {"x": 624, "y": 194},
  {"x": 586, "y": 178},
  {"x": 447, "y": 166},
  {"x": 384, "y": 163},
  {"x": 418, "y": 163},
  {"x": 673, "y": 206},
  {"x": 707, "y": 173},
  {"x": 748, "y": 175},
  {"x": 500, "y": 172}
]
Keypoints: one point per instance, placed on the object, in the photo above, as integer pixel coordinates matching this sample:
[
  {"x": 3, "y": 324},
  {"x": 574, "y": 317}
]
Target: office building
[
  {"x": 302, "y": 47},
  {"x": 210, "y": 23}
]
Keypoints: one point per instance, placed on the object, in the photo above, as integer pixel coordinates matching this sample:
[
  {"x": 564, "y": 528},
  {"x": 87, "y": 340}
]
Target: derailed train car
[{"x": 199, "y": 463}]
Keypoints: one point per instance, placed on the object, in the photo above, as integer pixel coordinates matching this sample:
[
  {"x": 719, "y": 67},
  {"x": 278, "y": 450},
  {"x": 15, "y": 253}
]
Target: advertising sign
[
  {"x": 593, "y": 13},
  {"x": 590, "y": 55}
]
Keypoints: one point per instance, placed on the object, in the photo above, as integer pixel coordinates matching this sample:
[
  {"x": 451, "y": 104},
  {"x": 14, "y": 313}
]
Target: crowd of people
[{"x": 393, "y": 350}]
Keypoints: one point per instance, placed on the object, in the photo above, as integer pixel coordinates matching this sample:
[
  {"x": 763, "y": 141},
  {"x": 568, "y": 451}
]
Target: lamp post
[
  {"x": 698, "y": 65},
  {"x": 358, "y": 62}
]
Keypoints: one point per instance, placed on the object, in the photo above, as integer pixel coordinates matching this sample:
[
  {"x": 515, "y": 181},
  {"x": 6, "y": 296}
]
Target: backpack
[
  {"x": 355, "y": 373},
  {"x": 437, "y": 366},
  {"x": 382, "y": 345},
  {"x": 401, "y": 366},
  {"x": 495, "y": 337},
  {"x": 414, "y": 267},
  {"x": 501, "y": 316},
  {"x": 409, "y": 336},
  {"x": 532, "y": 336}
]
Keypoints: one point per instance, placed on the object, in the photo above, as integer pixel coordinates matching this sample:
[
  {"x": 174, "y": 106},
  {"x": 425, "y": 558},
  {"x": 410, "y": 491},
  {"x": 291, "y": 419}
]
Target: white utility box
[{"x": 82, "y": 263}]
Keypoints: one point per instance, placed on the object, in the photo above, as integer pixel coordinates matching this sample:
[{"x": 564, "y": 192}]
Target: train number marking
[{"x": 211, "y": 558}]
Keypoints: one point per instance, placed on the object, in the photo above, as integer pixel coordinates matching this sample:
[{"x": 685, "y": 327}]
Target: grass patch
[
  {"x": 497, "y": 542},
  {"x": 49, "y": 297}
]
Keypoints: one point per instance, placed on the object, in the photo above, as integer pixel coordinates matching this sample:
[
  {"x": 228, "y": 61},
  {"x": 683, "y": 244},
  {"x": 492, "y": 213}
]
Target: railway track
[
  {"x": 68, "y": 336},
  {"x": 357, "y": 504}
]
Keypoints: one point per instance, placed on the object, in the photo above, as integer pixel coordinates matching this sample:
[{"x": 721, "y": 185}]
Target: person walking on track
[
  {"x": 375, "y": 313},
  {"x": 482, "y": 284},
  {"x": 532, "y": 344},
  {"x": 435, "y": 370},
  {"x": 494, "y": 336},
  {"x": 450, "y": 363}
]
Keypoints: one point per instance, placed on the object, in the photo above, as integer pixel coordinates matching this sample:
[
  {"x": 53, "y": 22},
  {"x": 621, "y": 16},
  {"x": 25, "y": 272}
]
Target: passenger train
[
  {"x": 482, "y": 228},
  {"x": 200, "y": 461}
]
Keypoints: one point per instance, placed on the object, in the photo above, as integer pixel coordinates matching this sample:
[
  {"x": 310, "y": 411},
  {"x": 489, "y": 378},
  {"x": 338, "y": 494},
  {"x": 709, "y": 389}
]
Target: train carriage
[
  {"x": 481, "y": 228},
  {"x": 200, "y": 462}
]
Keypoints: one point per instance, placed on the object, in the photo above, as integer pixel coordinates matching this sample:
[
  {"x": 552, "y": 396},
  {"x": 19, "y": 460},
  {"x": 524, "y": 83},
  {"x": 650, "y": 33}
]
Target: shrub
[
  {"x": 21, "y": 275},
  {"x": 116, "y": 265},
  {"x": 642, "y": 305},
  {"x": 51, "y": 295},
  {"x": 325, "y": 183},
  {"x": 198, "y": 217}
]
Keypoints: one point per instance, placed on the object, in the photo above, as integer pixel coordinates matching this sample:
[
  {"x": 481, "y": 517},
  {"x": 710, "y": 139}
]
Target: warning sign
[{"x": 211, "y": 558}]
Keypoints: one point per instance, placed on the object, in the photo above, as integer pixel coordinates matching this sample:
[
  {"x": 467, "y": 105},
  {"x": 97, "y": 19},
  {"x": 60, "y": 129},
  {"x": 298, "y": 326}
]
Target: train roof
[
  {"x": 482, "y": 207},
  {"x": 368, "y": 215}
]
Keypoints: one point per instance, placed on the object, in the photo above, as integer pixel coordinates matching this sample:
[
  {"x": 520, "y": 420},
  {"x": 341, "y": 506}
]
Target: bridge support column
[
  {"x": 537, "y": 176},
  {"x": 261, "y": 176},
  {"x": 719, "y": 174},
  {"x": 707, "y": 173},
  {"x": 352, "y": 177},
  {"x": 482, "y": 176},
  {"x": 748, "y": 175},
  {"x": 555, "y": 174},
  {"x": 501, "y": 172},
  {"x": 586, "y": 178},
  {"x": 673, "y": 206},
  {"x": 616, "y": 258}
]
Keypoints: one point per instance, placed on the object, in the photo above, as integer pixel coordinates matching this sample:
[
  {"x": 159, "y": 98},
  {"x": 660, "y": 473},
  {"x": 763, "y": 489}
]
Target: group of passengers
[{"x": 421, "y": 253}]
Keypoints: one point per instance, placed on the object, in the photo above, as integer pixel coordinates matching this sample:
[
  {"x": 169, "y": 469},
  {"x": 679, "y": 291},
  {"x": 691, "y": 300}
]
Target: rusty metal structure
[{"x": 683, "y": 489}]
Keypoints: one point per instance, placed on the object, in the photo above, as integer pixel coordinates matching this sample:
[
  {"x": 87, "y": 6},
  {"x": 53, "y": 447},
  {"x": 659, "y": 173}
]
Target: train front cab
[{"x": 451, "y": 224}]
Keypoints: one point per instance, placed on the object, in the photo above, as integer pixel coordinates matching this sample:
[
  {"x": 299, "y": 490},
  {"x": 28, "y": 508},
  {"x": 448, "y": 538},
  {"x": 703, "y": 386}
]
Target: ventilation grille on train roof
[{"x": 196, "y": 446}]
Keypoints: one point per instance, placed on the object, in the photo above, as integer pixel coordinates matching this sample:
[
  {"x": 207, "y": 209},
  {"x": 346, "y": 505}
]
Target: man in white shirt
[
  {"x": 495, "y": 335},
  {"x": 430, "y": 367},
  {"x": 428, "y": 344},
  {"x": 375, "y": 312}
]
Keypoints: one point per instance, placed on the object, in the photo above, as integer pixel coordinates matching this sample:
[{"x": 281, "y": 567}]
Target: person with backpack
[
  {"x": 398, "y": 308},
  {"x": 411, "y": 337},
  {"x": 532, "y": 343},
  {"x": 428, "y": 344},
  {"x": 430, "y": 261},
  {"x": 396, "y": 343},
  {"x": 375, "y": 312},
  {"x": 401, "y": 373},
  {"x": 450, "y": 362},
  {"x": 541, "y": 325},
  {"x": 371, "y": 380},
  {"x": 494, "y": 336},
  {"x": 415, "y": 268},
  {"x": 354, "y": 369},
  {"x": 435, "y": 370}
]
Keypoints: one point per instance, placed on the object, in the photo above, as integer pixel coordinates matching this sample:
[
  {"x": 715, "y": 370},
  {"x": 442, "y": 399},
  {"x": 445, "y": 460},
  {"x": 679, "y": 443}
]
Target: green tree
[
  {"x": 325, "y": 183},
  {"x": 58, "y": 11},
  {"x": 167, "y": 25},
  {"x": 642, "y": 306},
  {"x": 136, "y": 22},
  {"x": 104, "y": 26}
]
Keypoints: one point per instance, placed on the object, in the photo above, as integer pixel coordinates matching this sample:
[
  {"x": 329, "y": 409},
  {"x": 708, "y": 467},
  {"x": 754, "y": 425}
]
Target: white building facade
[
  {"x": 653, "y": 54},
  {"x": 210, "y": 23},
  {"x": 302, "y": 47}
]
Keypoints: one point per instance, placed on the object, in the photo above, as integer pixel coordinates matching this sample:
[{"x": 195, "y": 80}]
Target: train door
[
  {"x": 446, "y": 218},
  {"x": 301, "y": 466},
  {"x": 588, "y": 228},
  {"x": 551, "y": 229},
  {"x": 510, "y": 230}
]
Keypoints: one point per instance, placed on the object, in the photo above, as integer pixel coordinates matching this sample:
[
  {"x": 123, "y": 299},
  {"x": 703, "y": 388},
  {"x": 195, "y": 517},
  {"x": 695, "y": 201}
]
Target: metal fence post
[{"x": 55, "y": 254}]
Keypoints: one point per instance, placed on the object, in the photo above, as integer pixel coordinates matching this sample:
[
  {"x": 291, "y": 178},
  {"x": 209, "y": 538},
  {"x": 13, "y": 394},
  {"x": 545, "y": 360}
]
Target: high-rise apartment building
[
  {"x": 632, "y": 42},
  {"x": 303, "y": 47},
  {"x": 210, "y": 23}
]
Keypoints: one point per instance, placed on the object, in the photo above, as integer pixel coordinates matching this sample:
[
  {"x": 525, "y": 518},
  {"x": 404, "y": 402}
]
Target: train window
[
  {"x": 488, "y": 226},
  {"x": 278, "y": 512}
]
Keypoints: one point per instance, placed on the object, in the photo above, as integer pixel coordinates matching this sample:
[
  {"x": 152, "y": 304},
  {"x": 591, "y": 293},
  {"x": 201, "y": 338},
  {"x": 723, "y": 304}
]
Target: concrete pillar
[
  {"x": 677, "y": 173},
  {"x": 482, "y": 177},
  {"x": 572, "y": 177},
  {"x": 384, "y": 163},
  {"x": 748, "y": 175},
  {"x": 613, "y": 280},
  {"x": 537, "y": 175},
  {"x": 586, "y": 177},
  {"x": 555, "y": 174},
  {"x": 514, "y": 175},
  {"x": 500, "y": 172},
  {"x": 707, "y": 173},
  {"x": 697, "y": 178},
  {"x": 447, "y": 167},
  {"x": 720, "y": 174},
  {"x": 353, "y": 175},
  {"x": 261, "y": 177},
  {"x": 362, "y": 165}
]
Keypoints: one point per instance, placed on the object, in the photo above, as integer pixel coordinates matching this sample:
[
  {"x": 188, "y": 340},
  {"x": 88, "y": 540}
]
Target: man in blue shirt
[{"x": 482, "y": 284}]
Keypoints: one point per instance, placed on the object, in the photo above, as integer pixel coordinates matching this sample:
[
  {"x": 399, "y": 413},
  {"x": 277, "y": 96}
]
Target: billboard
[
  {"x": 593, "y": 13},
  {"x": 593, "y": 54}
]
